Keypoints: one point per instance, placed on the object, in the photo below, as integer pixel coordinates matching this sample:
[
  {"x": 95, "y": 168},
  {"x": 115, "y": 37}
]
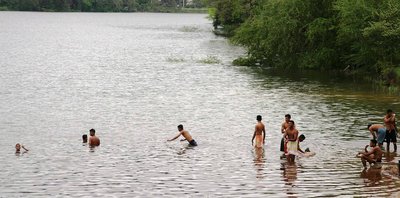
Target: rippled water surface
[{"x": 134, "y": 77}]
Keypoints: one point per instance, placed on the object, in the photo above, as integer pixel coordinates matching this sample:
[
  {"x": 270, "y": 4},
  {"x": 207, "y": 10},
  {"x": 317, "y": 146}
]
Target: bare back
[
  {"x": 94, "y": 141},
  {"x": 260, "y": 128},
  {"x": 375, "y": 127},
  {"x": 186, "y": 135}
]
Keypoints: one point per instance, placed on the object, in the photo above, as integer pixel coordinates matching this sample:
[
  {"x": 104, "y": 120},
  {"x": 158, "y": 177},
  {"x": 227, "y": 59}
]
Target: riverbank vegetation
[
  {"x": 360, "y": 37},
  {"x": 104, "y": 5}
]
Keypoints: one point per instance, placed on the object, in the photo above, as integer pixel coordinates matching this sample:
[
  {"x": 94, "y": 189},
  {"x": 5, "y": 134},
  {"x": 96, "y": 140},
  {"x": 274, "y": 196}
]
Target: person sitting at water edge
[
  {"x": 186, "y": 135},
  {"x": 84, "y": 138},
  {"x": 259, "y": 133},
  {"x": 93, "y": 139},
  {"x": 18, "y": 148},
  {"x": 284, "y": 126},
  {"x": 291, "y": 136},
  {"x": 378, "y": 133},
  {"x": 373, "y": 156},
  {"x": 390, "y": 124}
]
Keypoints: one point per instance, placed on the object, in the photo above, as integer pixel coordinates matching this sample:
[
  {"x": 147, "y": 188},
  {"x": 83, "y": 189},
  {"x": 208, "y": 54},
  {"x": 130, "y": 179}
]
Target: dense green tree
[
  {"x": 29, "y": 5},
  {"x": 358, "y": 35},
  {"x": 370, "y": 40}
]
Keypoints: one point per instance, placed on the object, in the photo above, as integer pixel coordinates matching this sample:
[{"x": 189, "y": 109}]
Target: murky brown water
[{"x": 134, "y": 77}]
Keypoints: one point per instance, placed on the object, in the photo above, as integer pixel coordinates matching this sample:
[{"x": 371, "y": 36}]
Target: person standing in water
[
  {"x": 284, "y": 126},
  {"x": 186, "y": 135},
  {"x": 291, "y": 136},
  {"x": 93, "y": 139},
  {"x": 259, "y": 133},
  {"x": 390, "y": 124}
]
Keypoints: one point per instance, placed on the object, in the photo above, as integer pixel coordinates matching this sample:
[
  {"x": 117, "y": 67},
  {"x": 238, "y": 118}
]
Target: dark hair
[
  {"x": 180, "y": 126},
  {"x": 302, "y": 137},
  {"x": 389, "y": 111},
  {"x": 291, "y": 121},
  {"x": 374, "y": 141},
  {"x": 288, "y": 116},
  {"x": 92, "y": 130},
  {"x": 84, "y": 136},
  {"x": 369, "y": 125},
  {"x": 259, "y": 118}
]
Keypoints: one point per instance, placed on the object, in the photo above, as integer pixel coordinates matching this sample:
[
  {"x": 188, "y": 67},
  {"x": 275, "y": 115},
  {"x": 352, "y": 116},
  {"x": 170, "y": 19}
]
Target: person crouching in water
[
  {"x": 186, "y": 135},
  {"x": 378, "y": 133},
  {"x": 373, "y": 156}
]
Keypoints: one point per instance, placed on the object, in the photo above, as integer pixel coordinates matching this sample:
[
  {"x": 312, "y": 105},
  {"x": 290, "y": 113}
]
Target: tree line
[
  {"x": 100, "y": 5},
  {"x": 357, "y": 36}
]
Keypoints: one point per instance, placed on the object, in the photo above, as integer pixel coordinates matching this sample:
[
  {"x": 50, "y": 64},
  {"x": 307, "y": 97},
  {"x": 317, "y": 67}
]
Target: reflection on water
[
  {"x": 371, "y": 176},
  {"x": 289, "y": 171},
  {"x": 135, "y": 77},
  {"x": 259, "y": 162}
]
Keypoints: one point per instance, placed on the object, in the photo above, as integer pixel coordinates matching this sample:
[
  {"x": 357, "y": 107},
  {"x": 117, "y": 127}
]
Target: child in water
[{"x": 18, "y": 148}]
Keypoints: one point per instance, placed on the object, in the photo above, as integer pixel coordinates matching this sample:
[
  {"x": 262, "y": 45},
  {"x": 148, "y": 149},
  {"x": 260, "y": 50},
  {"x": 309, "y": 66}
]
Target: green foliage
[
  {"x": 243, "y": 61},
  {"x": 363, "y": 35},
  {"x": 210, "y": 60},
  {"x": 231, "y": 13}
]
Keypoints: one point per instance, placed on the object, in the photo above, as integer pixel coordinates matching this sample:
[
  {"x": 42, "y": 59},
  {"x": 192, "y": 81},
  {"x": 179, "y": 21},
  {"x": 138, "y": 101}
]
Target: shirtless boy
[
  {"x": 390, "y": 124},
  {"x": 291, "y": 136},
  {"x": 93, "y": 139},
  {"x": 378, "y": 133},
  {"x": 18, "y": 148},
  {"x": 373, "y": 156},
  {"x": 186, "y": 135},
  {"x": 259, "y": 133},
  {"x": 284, "y": 126}
]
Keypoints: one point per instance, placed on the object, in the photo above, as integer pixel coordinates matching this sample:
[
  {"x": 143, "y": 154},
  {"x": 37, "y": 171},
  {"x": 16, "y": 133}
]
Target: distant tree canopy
[
  {"x": 99, "y": 5},
  {"x": 362, "y": 35}
]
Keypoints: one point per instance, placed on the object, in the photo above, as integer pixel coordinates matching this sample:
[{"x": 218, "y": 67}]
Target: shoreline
[{"x": 167, "y": 10}]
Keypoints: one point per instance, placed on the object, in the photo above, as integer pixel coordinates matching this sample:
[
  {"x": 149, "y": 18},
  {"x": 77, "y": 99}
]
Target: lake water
[{"x": 134, "y": 77}]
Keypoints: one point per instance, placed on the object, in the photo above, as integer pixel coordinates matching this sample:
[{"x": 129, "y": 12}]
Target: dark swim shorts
[
  {"x": 193, "y": 143},
  {"x": 391, "y": 136},
  {"x": 282, "y": 145}
]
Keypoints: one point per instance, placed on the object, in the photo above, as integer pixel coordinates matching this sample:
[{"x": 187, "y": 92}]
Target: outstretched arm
[
  {"x": 174, "y": 137},
  {"x": 299, "y": 149},
  {"x": 24, "y": 148}
]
